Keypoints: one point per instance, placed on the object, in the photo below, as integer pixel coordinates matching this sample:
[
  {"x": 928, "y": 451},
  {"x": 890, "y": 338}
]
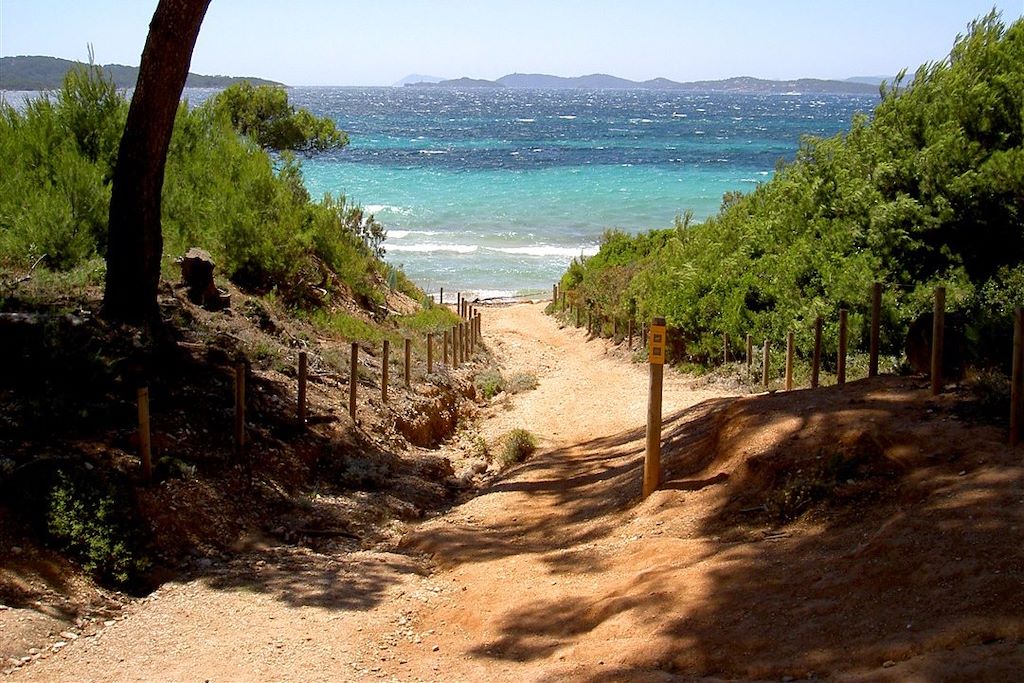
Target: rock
[
  {"x": 888, "y": 664},
  {"x": 204, "y": 563}
]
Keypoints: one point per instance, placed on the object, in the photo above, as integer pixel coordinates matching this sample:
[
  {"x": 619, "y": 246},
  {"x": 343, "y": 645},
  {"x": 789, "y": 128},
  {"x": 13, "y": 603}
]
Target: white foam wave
[
  {"x": 545, "y": 250},
  {"x": 387, "y": 208},
  {"x": 397, "y": 234},
  {"x": 567, "y": 118},
  {"x": 431, "y": 248},
  {"x": 677, "y": 115},
  {"x": 433, "y": 151},
  {"x": 526, "y": 120}
]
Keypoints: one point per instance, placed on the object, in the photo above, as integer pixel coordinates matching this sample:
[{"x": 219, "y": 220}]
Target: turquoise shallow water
[{"x": 495, "y": 191}]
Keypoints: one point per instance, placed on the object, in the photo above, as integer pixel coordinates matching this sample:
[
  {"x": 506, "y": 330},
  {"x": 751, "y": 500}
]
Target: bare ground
[{"x": 859, "y": 533}]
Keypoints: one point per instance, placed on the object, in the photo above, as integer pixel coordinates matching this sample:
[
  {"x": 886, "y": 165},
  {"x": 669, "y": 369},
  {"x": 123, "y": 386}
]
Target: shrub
[
  {"x": 520, "y": 382},
  {"x": 519, "y": 444},
  {"x": 489, "y": 383},
  {"x": 86, "y": 520}
]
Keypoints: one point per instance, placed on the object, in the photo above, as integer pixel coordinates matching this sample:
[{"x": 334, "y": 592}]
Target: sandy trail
[
  {"x": 296, "y": 615},
  {"x": 559, "y": 572}
]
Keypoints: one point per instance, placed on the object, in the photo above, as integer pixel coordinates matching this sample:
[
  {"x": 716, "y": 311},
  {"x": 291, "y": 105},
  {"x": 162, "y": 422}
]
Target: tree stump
[{"x": 197, "y": 275}]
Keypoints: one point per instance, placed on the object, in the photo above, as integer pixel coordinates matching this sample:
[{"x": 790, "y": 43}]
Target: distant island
[
  {"x": 745, "y": 84},
  {"x": 47, "y": 73}
]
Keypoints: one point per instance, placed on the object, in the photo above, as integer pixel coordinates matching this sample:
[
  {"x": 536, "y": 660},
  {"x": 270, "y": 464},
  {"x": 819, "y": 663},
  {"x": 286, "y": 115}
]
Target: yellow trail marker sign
[{"x": 656, "y": 354}]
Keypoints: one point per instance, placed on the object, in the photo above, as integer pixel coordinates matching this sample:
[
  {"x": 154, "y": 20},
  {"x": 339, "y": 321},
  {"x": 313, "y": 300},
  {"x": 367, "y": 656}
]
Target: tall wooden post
[
  {"x": 764, "y": 364},
  {"x": 303, "y": 375},
  {"x": 240, "y": 409},
  {"x": 457, "y": 346},
  {"x": 385, "y": 370},
  {"x": 441, "y": 297},
  {"x": 843, "y": 335},
  {"x": 750, "y": 351},
  {"x": 652, "y": 455},
  {"x": 938, "y": 334},
  {"x": 444, "y": 347},
  {"x": 408, "y": 363},
  {"x": 789, "y": 361},
  {"x": 816, "y": 357},
  {"x": 876, "y": 328},
  {"x": 458, "y": 303},
  {"x": 630, "y": 331},
  {"x": 430, "y": 353},
  {"x": 554, "y": 294},
  {"x": 725, "y": 348},
  {"x": 563, "y": 299},
  {"x": 145, "y": 445},
  {"x": 353, "y": 380},
  {"x": 1017, "y": 378}
]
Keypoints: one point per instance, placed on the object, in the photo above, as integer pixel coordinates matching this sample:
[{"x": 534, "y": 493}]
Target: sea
[{"x": 493, "y": 192}]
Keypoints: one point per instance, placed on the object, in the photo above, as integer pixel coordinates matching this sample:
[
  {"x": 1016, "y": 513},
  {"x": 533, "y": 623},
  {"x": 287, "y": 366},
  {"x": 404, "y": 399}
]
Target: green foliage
[
  {"x": 518, "y": 445},
  {"x": 431, "y": 319},
  {"x": 348, "y": 326},
  {"x": 489, "y": 383},
  {"x": 928, "y": 192},
  {"x": 222, "y": 191},
  {"x": 86, "y": 521},
  {"x": 264, "y": 114}
]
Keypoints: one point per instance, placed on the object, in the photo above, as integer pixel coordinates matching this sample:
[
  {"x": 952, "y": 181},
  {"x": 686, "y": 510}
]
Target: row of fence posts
[
  {"x": 461, "y": 340},
  {"x": 656, "y": 356}
]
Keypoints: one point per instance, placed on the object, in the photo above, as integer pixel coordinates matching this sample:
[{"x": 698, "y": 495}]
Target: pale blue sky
[{"x": 376, "y": 42}]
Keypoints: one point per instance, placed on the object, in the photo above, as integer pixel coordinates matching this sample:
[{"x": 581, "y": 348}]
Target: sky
[{"x": 377, "y": 42}]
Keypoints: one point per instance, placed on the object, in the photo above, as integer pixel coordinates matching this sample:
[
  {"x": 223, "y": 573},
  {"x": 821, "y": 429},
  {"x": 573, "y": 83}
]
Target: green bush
[
  {"x": 518, "y": 445},
  {"x": 520, "y": 382},
  {"x": 489, "y": 383},
  {"x": 87, "y": 520}
]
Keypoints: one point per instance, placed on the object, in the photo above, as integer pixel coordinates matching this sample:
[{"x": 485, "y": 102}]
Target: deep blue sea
[{"x": 496, "y": 191}]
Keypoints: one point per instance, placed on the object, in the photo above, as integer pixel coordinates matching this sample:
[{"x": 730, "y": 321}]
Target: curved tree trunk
[{"x": 135, "y": 242}]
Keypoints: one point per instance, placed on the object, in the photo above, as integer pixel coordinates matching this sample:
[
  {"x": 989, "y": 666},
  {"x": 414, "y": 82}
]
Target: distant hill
[
  {"x": 607, "y": 82},
  {"x": 47, "y": 73},
  {"x": 413, "y": 79},
  {"x": 871, "y": 80}
]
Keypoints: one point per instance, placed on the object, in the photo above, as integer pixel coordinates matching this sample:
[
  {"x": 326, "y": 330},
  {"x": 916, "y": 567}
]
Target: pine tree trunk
[{"x": 135, "y": 243}]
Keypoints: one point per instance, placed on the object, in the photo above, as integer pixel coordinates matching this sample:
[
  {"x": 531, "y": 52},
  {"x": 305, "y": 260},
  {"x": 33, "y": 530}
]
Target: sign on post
[{"x": 656, "y": 353}]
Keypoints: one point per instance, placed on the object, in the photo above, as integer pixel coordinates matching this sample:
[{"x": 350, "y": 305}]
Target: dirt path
[
  {"x": 559, "y": 572},
  {"x": 300, "y": 615}
]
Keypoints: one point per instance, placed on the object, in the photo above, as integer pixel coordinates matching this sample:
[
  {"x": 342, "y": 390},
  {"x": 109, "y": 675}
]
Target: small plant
[
  {"x": 520, "y": 382},
  {"x": 479, "y": 448},
  {"x": 519, "y": 445},
  {"x": 489, "y": 383},
  {"x": 85, "y": 521}
]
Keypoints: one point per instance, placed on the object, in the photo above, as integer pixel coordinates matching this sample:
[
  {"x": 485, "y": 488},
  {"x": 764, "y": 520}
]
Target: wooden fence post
[
  {"x": 630, "y": 326},
  {"x": 430, "y": 353},
  {"x": 303, "y": 374},
  {"x": 444, "y": 348},
  {"x": 841, "y": 358},
  {"x": 1017, "y": 378},
  {"x": 554, "y": 294},
  {"x": 385, "y": 370},
  {"x": 876, "y": 328},
  {"x": 408, "y": 363},
  {"x": 764, "y": 364},
  {"x": 458, "y": 303},
  {"x": 750, "y": 351},
  {"x": 652, "y": 455},
  {"x": 145, "y": 444},
  {"x": 789, "y": 361},
  {"x": 353, "y": 380},
  {"x": 240, "y": 409},
  {"x": 441, "y": 297},
  {"x": 938, "y": 334},
  {"x": 816, "y": 357},
  {"x": 563, "y": 299},
  {"x": 725, "y": 348}
]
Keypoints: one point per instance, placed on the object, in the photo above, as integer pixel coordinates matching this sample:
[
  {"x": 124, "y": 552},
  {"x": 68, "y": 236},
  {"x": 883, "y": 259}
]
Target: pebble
[
  {"x": 888, "y": 664},
  {"x": 109, "y": 622},
  {"x": 436, "y": 648}
]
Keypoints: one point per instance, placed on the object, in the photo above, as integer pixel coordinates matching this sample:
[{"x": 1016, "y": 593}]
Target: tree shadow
[{"x": 914, "y": 551}]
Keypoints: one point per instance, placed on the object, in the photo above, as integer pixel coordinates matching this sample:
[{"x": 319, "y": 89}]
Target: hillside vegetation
[
  {"x": 928, "y": 191},
  {"x": 233, "y": 187}
]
